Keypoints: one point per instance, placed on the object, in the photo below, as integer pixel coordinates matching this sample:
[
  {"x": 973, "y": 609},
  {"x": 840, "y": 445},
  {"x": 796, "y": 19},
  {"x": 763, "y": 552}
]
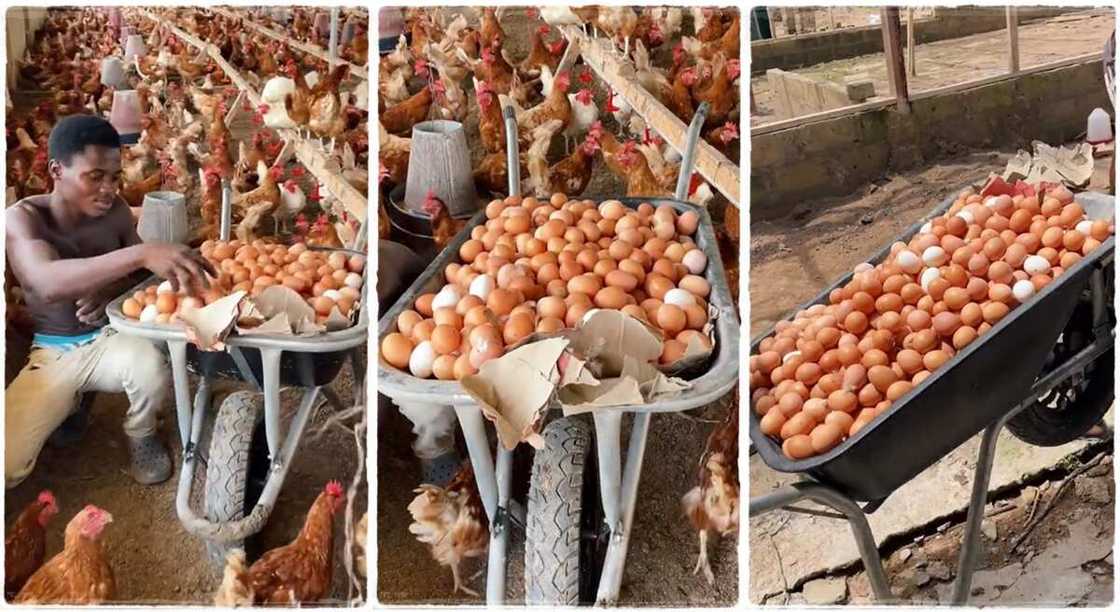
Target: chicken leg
[
  {"x": 459, "y": 585},
  {"x": 702, "y": 560}
]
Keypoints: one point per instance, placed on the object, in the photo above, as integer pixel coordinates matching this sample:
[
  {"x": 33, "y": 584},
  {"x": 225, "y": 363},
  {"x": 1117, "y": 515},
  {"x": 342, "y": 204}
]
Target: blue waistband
[{"x": 64, "y": 342}]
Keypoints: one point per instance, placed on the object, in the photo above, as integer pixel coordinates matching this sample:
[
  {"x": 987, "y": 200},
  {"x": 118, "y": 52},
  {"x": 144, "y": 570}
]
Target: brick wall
[
  {"x": 836, "y": 156},
  {"x": 808, "y": 49}
]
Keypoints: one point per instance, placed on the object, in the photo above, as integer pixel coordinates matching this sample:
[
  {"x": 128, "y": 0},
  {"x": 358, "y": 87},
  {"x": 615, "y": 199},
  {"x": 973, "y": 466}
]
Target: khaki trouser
[{"x": 47, "y": 391}]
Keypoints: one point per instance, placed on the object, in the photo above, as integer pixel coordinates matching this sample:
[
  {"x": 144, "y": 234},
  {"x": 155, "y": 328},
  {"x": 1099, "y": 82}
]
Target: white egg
[
  {"x": 165, "y": 287},
  {"x": 930, "y": 275},
  {"x": 908, "y": 261},
  {"x": 1022, "y": 290},
  {"x": 420, "y": 362},
  {"x": 448, "y": 297},
  {"x": 790, "y": 355},
  {"x": 967, "y": 216},
  {"x": 990, "y": 201},
  {"x": 149, "y": 314},
  {"x": 1036, "y": 265},
  {"x": 863, "y": 267},
  {"x": 481, "y": 286},
  {"x": 926, "y": 227},
  {"x": 696, "y": 261},
  {"x": 354, "y": 280},
  {"x": 934, "y": 256},
  {"x": 333, "y": 294},
  {"x": 1084, "y": 226},
  {"x": 679, "y": 297}
]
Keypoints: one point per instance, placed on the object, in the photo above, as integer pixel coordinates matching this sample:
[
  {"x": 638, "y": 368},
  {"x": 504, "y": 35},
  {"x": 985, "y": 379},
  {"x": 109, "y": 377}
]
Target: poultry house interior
[
  {"x": 186, "y": 145},
  {"x": 465, "y": 64}
]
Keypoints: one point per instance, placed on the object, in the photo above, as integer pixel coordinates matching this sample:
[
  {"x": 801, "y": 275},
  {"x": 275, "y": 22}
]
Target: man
[{"x": 73, "y": 251}]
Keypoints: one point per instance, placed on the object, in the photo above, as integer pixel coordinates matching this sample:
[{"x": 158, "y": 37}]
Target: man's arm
[{"x": 39, "y": 268}]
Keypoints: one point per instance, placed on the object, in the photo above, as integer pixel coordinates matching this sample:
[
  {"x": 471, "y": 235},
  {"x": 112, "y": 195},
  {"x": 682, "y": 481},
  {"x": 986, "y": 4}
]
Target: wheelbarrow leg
[
  {"x": 270, "y": 364},
  {"x": 177, "y": 349},
  {"x": 619, "y": 491},
  {"x": 493, "y": 488},
  {"x": 970, "y": 544},
  {"x": 836, "y": 500}
]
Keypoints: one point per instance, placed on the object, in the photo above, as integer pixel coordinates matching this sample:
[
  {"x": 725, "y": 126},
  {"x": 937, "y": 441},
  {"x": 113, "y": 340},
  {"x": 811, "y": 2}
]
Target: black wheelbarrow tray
[
  {"x": 243, "y": 473},
  {"x": 1059, "y": 334}
]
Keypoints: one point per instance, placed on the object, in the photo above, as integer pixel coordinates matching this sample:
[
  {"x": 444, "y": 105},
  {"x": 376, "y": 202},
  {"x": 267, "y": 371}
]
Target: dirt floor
[
  {"x": 947, "y": 62},
  {"x": 664, "y": 546},
  {"x": 153, "y": 558},
  {"x": 834, "y": 18},
  {"x": 1065, "y": 520}
]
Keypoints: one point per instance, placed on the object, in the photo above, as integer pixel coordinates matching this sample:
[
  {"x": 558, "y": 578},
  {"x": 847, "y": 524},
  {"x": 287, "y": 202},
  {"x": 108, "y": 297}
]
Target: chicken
[
  {"x": 538, "y": 182},
  {"x": 393, "y": 153},
  {"x": 620, "y": 22},
  {"x": 245, "y": 172},
  {"x": 322, "y": 233},
  {"x": 450, "y": 100},
  {"x": 452, "y": 522},
  {"x": 721, "y": 136},
  {"x": 133, "y": 192},
  {"x": 720, "y": 94},
  {"x": 327, "y": 117},
  {"x": 298, "y": 103},
  {"x": 210, "y": 203},
  {"x": 713, "y": 505},
  {"x": 449, "y": 67},
  {"x": 492, "y": 68},
  {"x": 640, "y": 180},
  {"x": 400, "y": 118},
  {"x": 25, "y": 547},
  {"x": 710, "y": 26},
  {"x": 609, "y": 147},
  {"x": 679, "y": 98},
  {"x": 619, "y": 108},
  {"x": 555, "y": 106},
  {"x": 292, "y": 201},
  {"x": 234, "y": 591},
  {"x": 259, "y": 202},
  {"x": 80, "y": 574},
  {"x": 444, "y": 228},
  {"x": 490, "y": 29},
  {"x": 572, "y": 174},
  {"x": 584, "y": 114},
  {"x": 300, "y": 572},
  {"x": 491, "y": 126},
  {"x": 491, "y": 175},
  {"x": 539, "y": 54}
]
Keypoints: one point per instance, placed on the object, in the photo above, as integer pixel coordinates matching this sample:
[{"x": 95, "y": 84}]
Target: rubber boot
[
  {"x": 151, "y": 464},
  {"x": 439, "y": 470}
]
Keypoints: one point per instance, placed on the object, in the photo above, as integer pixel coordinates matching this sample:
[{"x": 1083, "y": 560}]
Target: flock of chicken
[
  {"x": 81, "y": 573},
  {"x": 185, "y": 145},
  {"x": 425, "y": 78}
]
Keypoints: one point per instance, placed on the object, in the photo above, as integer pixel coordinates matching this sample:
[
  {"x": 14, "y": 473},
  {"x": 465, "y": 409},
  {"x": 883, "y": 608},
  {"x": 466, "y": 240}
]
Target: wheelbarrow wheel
[
  {"x": 565, "y": 536},
  {"x": 235, "y": 468},
  {"x": 1073, "y": 406}
]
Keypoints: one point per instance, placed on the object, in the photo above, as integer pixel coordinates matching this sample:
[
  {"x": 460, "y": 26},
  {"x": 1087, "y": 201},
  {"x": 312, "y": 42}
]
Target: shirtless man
[{"x": 73, "y": 251}]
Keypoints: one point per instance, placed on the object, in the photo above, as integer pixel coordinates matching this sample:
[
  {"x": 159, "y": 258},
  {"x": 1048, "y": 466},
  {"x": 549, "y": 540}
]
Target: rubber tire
[
  {"x": 558, "y": 497},
  {"x": 229, "y": 467}
]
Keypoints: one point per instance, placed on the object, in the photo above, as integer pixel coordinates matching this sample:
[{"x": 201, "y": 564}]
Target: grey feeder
[
  {"x": 441, "y": 162},
  {"x": 113, "y": 72},
  {"x": 163, "y": 218}
]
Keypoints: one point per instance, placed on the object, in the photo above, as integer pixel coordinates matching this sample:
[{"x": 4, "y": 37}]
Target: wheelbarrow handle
[
  {"x": 692, "y": 136},
  {"x": 513, "y": 161}
]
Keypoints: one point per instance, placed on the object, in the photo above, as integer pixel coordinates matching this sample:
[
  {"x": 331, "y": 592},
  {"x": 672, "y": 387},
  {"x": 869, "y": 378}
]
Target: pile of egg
[
  {"x": 834, "y": 368},
  {"x": 325, "y": 279},
  {"x": 539, "y": 266}
]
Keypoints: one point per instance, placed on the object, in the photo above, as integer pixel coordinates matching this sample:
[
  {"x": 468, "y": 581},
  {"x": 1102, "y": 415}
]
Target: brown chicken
[
  {"x": 300, "y": 573},
  {"x": 211, "y": 204},
  {"x": 722, "y": 136},
  {"x": 80, "y": 574},
  {"x": 234, "y": 591},
  {"x": 492, "y": 68},
  {"x": 572, "y": 174},
  {"x": 713, "y": 505},
  {"x": 258, "y": 203},
  {"x": 721, "y": 94},
  {"x": 25, "y": 548},
  {"x": 609, "y": 147},
  {"x": 491, "y": 126},
  {"x": 491, "y": 31},
  {"x": 444, "y": 228},
  {"x": 323, "y": 233},
  {"x": 490, "y": 174},
  {"x": 713, "y": 27},
  {"x": 555, "y": 106},
  {"x": 393, "y": 153},
  {"x": 640, "y": 180},
  {"x": 298, "y": 103},
  {"x": 399, "y": 119},
  {"x": 679, "y": 97},
  {"x": 540, "y": 54},
  {"x": 727, "y": 43},
  {"x": 452, "y": 522},
  {"x": 133, "y": 193}
]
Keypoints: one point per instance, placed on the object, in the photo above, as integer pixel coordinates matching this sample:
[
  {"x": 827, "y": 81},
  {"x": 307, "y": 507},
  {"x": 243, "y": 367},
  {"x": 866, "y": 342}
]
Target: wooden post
[
  {"x": 892, "y": 48},
  {"x": 910, "y": 41},
  {"x": 831, "y": 20},
  {"x": 1013, "y": 39}
]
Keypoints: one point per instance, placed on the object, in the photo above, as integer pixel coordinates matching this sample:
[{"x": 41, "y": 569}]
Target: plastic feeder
[
  {"x": 441, "y": 163},
  {"x": 163, "y": 218}
]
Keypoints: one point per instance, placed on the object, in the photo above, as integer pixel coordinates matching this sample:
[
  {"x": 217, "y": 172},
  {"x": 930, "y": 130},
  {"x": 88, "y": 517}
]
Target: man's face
[{"x": 89, "y": 183}]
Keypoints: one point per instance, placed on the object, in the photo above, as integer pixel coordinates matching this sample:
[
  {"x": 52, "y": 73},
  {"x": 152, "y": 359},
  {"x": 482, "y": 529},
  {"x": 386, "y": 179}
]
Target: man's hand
[
  {"x": 91, "y": 310},
  {"x": 181, "y": 266}
]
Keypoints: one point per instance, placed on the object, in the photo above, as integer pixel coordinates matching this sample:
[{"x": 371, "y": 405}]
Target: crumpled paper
[
  {"x": 607, "y": 362},
  {"x": 207, "y": 327},
  {"x": 1072, "y": 166}
]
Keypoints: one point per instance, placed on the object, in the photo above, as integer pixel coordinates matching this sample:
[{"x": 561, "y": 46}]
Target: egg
[
  {"x": 131, "y": 308},
  {"x": 934, "y": 256},
  {"x": 445, "y": 339},
  {"x": 322, "y": 305},
  {"x": 679, "y": 297},
  {"x": 671, "y": 319},
  {"x": 396, "y": 349},
  {"x": 448, "y": 297},
  {"x": 165, "y": 287},
  {"x": 420, "y": 362},
  {"x": 149, "y": 314},
  {"x": 908, "y": 261},
  {"x": 928, "y": 276},
  {"x": 613, "y": 298},
  {"x": 798, "y": 447},
  {"x": 696, "y": 261},
  {"x": 1036, "y": 265},
  {"x": 696, "y": 285},
  {"x": 825, "y": 437},
  {"x": 688, "y": 222}
]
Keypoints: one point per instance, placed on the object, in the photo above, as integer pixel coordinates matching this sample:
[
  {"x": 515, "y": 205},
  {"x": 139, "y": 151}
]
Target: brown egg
[
  {"x": 671, "y": 319},
  {"x": 423, "y": 304},
  {"x": 935, "y": 359},
  {"x": 874, "y": 357},
  {"x": 898, "y": 389},
  {"x": 696, "y": 285},
  {"x": 771, "y": 424},
  {"x": 517, "y": 327},
  {"x": 502, "y": 301},
  {"x": 798, "y": 447},
  {"x": 443, "y": 367},
  {"x": 797, "y": 424},
  {"x": 881, "y": 377},
  {"x": 946, "y": 323},
  {"x": 963, "y": 337},
  {"x": 396, "y": 350},
  {"x": 611, "y": 297},
  {"x": 842, "y": 400},
  {"x": 445, "y": 339},
  {"x": 825, "y": 437},
  {"x": 994, "y": 311},
  {"x": 131, "y": 308},
  {"x": 909, "y": 360}
]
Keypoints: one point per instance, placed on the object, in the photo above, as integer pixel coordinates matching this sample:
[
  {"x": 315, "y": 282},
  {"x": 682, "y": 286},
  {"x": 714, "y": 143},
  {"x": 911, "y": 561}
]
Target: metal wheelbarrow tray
[
  {"x": 979, "y": 386},
  {"x": 267, "y": 361}
]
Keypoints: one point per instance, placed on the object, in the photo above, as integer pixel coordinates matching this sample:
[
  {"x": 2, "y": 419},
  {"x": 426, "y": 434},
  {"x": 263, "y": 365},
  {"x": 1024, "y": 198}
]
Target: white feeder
[
  {"x": 125, "y": 115},
  {"x": 112, "y": 72},
  {"x": 1100, "y": 127},
  {"x": 135, "y": 46}
]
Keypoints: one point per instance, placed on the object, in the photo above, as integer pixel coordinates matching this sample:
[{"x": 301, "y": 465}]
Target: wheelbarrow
[
  {"x": 249, "y": 453},
  {"x": 1045, "y": 371},
  {"x": 579, "y": 480}
]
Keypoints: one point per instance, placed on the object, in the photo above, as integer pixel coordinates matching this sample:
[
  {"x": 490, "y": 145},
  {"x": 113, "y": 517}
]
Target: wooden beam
[
  {"x": 778, "y": 126},
  {"x": 910, "y": 41},
  {"x": 619, "y": 75},
  {"x": 892, "y": 48},
  {"x": 307, "y": 153},
  {"x": 1013, "y": 39},
  {"x": 359, "y": 71}
]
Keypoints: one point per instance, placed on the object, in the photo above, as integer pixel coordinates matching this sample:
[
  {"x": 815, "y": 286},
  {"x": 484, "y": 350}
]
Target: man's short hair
[{"x": 73, "y": 134}]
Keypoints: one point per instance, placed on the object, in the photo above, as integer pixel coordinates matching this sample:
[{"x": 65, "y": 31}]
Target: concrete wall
[
  {"x": 836, "y": 156},
  {"x": 796, "y": 94},
  {"x": 22, "y": 23},
  {"x": 810, "y": 49}
]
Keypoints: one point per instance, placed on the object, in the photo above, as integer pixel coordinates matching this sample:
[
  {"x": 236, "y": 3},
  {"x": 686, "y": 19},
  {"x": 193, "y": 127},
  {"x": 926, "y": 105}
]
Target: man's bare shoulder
[{"x": 23, "y": 217}]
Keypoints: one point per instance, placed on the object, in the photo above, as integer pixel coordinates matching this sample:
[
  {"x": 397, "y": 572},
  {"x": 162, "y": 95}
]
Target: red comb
[{"x": 47, "y": 498}]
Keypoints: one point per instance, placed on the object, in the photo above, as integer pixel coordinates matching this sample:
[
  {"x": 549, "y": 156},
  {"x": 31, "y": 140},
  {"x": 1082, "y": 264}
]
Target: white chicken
[
  {"x": 273, "y": 95},
  {"x": 292, "y": 201},
  {"x": 584, "y": 111}
]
